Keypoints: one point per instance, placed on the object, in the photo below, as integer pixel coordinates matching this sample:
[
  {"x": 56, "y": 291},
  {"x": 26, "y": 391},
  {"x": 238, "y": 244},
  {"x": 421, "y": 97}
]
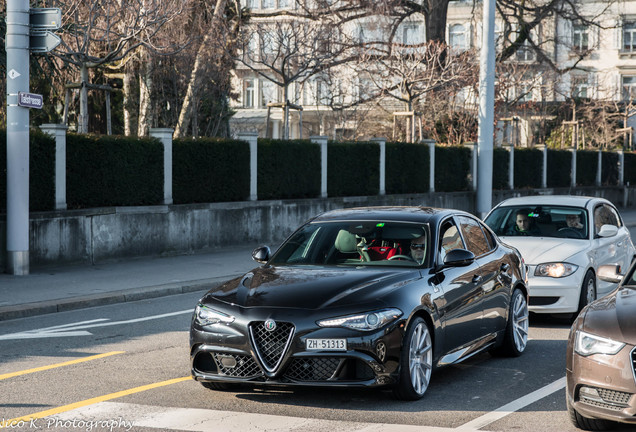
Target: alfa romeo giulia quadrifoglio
[{"x": 364, "y": 297}]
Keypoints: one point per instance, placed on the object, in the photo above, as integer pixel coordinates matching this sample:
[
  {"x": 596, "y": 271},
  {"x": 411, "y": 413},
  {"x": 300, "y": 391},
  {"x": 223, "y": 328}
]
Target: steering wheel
[
  {"x": 571, "y": 232},
  {"x": 402, "y": 257}
]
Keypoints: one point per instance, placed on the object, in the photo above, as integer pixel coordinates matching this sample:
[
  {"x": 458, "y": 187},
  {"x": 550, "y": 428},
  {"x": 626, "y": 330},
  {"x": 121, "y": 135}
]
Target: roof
[
  {"x": 395, "y": 213},
  {"x": 564, "y": 200}
]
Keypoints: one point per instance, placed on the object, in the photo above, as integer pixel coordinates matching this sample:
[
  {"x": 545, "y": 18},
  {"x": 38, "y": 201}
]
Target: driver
[
  {"x": 418, "y": 249},
  {"x": 573, "y": 221},
  {"x": 523, "y": 226}
]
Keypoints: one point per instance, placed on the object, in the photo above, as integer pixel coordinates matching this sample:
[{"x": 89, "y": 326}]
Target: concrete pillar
[
  {"x": 252, "y": 139},
  {"x": 511, "y": 166},
  {"x": 165, "y": 136},
  {"x": 473, "y": 163},
  {"x": 382, "y": 143},
  {"x": 621, "y": 167},
  {"x": 599, "y": 166},
  {"x": 322, "y": 141},
  {"x": 573, "y": 169},
  {"x": 431, "y": 149},
  {"x": 58, "y": 131}
]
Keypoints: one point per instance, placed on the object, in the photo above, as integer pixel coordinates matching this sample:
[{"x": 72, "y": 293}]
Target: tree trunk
[
  {"x": 128, "y": 76},
  {"x": 436, "y": 20},
  {"x": 145, "y": 90},
  {"x": 185, "y": 116},
  {"x": 82, "y": 126}
]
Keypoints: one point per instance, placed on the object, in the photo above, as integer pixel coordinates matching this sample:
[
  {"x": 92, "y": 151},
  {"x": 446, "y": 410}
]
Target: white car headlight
[
  {"x": 364, "y": 321},
  {"x": 555, "y": 269},
  {"x": 204, "y": 316},
  {"x": 587, "y": 344}
]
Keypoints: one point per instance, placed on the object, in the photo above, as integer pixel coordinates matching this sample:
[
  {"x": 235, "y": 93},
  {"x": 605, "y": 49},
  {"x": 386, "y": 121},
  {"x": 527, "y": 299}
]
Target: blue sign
[{"x": 30, "y": 100}]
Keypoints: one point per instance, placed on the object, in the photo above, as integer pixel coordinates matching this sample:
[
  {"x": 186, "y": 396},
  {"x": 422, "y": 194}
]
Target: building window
[
  {"x": 629, "y": 87},
  {"x": 580, "y": 37},
  {"x": 248, "y": 93},
  {"x": 268, "y": 4},
  {"x": 283, "y": 4},
  {"x": 457, "y": 37},
  {"x": 269, "y": 93},
  {"x": 629, "y": 36},
  {"x": 580, "y": 86},
  {"x": 524, "y": 52},
  {"x": 411, "y": 34},
  {"x": 253, "y": 4}
]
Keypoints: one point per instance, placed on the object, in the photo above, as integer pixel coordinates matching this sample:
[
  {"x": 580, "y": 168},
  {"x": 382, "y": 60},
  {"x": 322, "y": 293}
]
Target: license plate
[{"x": 326, "y": 344}]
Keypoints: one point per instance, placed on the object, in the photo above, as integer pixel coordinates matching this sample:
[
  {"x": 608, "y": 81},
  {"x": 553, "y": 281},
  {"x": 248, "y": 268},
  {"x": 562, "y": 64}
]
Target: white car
[{"x": 563, "y": 240}]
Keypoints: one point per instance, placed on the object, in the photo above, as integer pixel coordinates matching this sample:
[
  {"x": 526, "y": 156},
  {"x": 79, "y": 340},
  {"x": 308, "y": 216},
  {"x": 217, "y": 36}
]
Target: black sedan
[{"x": 365, "y": 297}]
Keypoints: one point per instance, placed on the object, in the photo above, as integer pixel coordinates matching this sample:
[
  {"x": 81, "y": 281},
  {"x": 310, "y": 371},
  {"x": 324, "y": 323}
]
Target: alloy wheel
[
  {"x": 520, "y": 322},
  {"x": 420, "y": 358}
]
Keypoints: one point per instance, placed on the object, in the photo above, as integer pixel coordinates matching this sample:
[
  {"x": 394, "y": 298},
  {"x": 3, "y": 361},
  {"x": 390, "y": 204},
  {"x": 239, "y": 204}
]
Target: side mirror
[
  {"x": 608, "y": 231},
  {"x": 261, "y": 254},
  {"x": 609, "y": 273},
  {"x": 459, "y": 258}
]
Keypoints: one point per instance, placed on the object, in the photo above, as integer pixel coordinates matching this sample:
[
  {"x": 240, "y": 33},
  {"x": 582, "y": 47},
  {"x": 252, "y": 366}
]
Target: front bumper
[
  {"x": 371, "y": 359},
  {"x": 554, "y": 295},
  {"x": 604, "y": 386}
]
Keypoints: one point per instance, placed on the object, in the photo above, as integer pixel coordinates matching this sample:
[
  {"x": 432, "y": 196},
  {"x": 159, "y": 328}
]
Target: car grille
[
  {"x": 271, "y": 346},
  {"x": 614, "y": 396},
  {"x": 543, "y": 301},
  {"x": 313, "y": 369},
  {"x": 609, "y": 399},
  {"x": 241, "y": 366}
]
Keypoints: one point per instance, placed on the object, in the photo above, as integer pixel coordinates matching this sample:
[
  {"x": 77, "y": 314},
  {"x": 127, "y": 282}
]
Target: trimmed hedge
[
  {"x": 609, "y": 168},
  {"x": 209, "y": 170},
  {"x": 586, "y": 163},
  {"x": 353, "y": 169},
  {"x": 528, "y": 168},
  {"x": 41, "y": 171},
  {"x": 288, "y": 169},
  {"x": 407, "y": 168},
  {"x": 452, "y": 168},
  {"x": 501, "y": 164},
  {"x": 629, "y": 173},
  {"x": 558, "y": 174},
  {"x": 113, "y": 171}
]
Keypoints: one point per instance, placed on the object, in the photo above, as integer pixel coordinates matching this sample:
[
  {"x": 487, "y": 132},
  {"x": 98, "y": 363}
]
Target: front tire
[
  {"x": 588, "y": 290},
  {"x": 585, "y": 423},
  {"x": 516, "y": 336},
  {"x": 416, "y": 361}
]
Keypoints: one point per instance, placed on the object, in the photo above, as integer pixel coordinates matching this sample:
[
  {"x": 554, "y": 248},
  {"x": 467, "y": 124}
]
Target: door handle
[{"x": 476, "y": 279}]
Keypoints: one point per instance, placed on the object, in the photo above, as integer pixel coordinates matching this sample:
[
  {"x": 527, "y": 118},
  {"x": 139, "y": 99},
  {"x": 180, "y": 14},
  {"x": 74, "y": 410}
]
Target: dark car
[
  {"x": 601, "y": 357},
  {"x": 364, "y": 297}
]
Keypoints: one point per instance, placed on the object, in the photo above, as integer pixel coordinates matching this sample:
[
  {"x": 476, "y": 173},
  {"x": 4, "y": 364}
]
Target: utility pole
[
  {"x": 27, "y": 29},
  {"x": 486, "y": 111}
]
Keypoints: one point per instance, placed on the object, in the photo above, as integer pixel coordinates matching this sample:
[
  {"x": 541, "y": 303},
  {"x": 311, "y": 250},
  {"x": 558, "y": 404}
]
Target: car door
[
  {"x": 609, "y": 250},
  {"x": 461, "y": 311},
  {"x": 495, "y": 273}
]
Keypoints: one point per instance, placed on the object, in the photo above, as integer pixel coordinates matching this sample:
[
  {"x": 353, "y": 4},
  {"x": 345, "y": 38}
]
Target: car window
[
  {"x": 449, "y": 239},
  {"x": 473, "y": 234},
  {"x": 605, "y": 215},
  {"x": 540, "y": 221}
]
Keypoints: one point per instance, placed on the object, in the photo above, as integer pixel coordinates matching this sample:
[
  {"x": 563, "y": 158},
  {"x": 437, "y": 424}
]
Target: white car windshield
[
  {"x": 372, "y": 243},
  {"x": 540, "y": 221}
]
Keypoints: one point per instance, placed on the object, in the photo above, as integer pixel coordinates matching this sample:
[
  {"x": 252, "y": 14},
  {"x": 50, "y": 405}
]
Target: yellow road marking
[
  {"x": 69, "y": 407},
  {"x": 53, "y": 366}
]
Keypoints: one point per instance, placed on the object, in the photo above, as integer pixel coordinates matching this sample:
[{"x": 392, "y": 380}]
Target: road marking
[
  {"x": 205, "y": 420},
  {"x": 75, "y": 405},
  {"x": 57, "y": 365},
  {"x": 513, "y": 406},
  {"x": 79, "y": 328}
]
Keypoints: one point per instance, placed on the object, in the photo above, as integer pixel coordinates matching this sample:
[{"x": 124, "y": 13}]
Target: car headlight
[
  {"x": 587, "y": 344},
  {"x": 555, "y": 269},
  {"x": 363, "y": 321},
  {"x": 204, "y": 316}
]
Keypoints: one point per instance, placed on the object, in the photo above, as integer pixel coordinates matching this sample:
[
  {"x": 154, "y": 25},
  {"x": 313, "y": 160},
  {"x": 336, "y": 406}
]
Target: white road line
[
  {"x": 513, "y": 406},
  {"x": 205, "y": 420}
]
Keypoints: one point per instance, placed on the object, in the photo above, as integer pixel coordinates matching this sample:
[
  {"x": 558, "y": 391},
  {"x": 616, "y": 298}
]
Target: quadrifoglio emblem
[{"x": 270, "y": 325}]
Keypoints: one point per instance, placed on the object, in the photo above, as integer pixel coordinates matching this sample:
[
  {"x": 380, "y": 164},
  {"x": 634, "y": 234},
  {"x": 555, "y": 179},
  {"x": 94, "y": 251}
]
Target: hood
[
  {"x": 537, "y": 250},
  {"x": 613, "y": 316},
  {"x": 310, "y": 288}
]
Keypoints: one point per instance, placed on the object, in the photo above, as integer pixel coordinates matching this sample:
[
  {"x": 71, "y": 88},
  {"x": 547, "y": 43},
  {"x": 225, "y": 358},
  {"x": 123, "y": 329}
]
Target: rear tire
[
  {"x": 516, "y": 335},
  {"x": 586, "y": 423},
  {"x": 416, "y": 361}
]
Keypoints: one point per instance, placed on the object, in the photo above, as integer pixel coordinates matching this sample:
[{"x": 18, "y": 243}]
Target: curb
[{"x": 113, "y": 297}]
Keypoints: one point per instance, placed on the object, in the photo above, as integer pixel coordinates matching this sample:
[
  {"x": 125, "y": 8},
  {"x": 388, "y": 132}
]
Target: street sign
[
  {"x": 30, "y": 100},
  {"x": 43, "y": 41},
  {"x": 45, "y": 18}
]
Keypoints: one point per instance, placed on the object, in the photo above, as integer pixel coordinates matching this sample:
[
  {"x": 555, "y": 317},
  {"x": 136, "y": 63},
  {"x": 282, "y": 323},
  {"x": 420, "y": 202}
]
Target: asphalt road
[{"x": 126, "y": 367}]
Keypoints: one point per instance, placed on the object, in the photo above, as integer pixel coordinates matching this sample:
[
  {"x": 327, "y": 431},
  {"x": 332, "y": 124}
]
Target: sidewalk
[
  {"x": 57, "y": 289},
  {"x": 48, "y": 290}
]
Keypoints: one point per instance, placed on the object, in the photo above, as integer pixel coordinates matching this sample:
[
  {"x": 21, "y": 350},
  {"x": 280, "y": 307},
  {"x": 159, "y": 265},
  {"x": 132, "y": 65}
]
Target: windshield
[
  {"x": 540, "y": 221},
  {"x": 372, "y": 243}
]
